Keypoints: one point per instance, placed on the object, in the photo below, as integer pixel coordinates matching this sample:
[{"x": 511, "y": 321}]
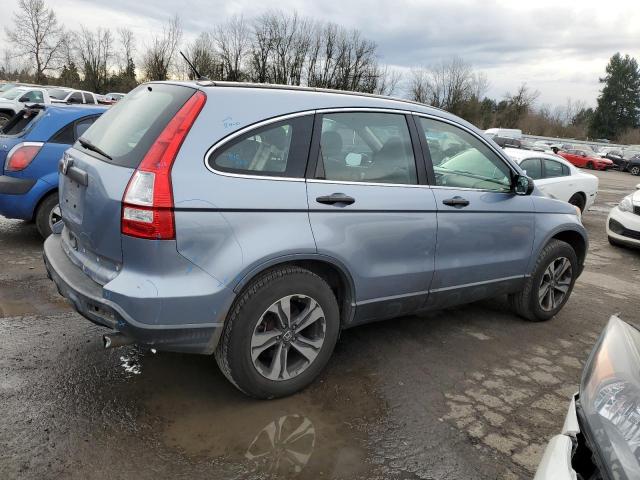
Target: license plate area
[{"x": 72, "y": 201}]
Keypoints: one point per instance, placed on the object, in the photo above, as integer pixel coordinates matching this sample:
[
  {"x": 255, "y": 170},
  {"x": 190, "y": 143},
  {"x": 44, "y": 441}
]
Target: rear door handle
[
  {"x": 336, "y": 198},
  {"x": 456, "y": 201}
]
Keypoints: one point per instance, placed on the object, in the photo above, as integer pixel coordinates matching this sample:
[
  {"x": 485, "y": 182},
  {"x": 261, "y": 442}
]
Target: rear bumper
[
  {"x": 15, "y": 186},
  {"x": 88, "y": 299},
  {"x": 20, "y": 196}
]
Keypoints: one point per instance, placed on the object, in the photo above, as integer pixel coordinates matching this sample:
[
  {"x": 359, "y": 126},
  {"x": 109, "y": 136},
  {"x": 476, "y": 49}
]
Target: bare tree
[
  {"x": 95, "y": 50},
  {"x": 232, "y": 39},
  {"x": 37, "y": 34},
  {"x": 419, "y": 86},
  {"x": 202, "y": 54},
  {"x": 518, "y": 105},
  {"x": 158, "y": 59},
  {"x": 387, "y": 81},
  {"x": 127, "y": 47}
]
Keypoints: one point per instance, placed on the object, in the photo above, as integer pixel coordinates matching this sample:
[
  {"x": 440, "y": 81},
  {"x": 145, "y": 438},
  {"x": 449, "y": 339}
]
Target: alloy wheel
[
  {"x": 635, "y": 170},
  {"x": 555, "y": 283},
  {"x": 55, "y": 215},
  {"x": 288, "y": 337}
]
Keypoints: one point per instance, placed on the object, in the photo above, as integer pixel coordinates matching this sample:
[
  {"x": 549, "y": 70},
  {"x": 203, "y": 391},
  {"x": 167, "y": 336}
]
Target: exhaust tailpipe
[{"x": 117, "y": 339}]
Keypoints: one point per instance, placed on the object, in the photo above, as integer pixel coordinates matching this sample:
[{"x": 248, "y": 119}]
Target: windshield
[
  {"x": 12, "y": 94},
  {"x": 59, "y": 93}
]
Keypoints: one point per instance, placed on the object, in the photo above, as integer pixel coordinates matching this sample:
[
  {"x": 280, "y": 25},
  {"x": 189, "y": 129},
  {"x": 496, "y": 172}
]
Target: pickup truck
[{"x": 15, "y": 99}]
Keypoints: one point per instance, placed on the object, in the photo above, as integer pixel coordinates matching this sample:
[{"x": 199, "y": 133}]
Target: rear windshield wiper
[{"x": 90, "y": 146}]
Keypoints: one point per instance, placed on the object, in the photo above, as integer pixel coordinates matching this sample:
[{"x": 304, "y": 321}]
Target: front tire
[
  {"x": 47, "y": 214},
  {"x": 590, "y": 165},
  {"x": 280, "y": 333},
  {"x": 550, "y": 286},
  {"x": 635, "y": 170}
]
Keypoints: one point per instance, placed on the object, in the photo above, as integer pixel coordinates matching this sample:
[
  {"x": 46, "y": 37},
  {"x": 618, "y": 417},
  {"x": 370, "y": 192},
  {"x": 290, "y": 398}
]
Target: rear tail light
[
  {"x": 20, "y": 156},
  {"x": 147, "y": 205}
]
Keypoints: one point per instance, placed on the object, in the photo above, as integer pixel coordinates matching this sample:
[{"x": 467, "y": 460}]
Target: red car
[{"x": 582, "y": 159}]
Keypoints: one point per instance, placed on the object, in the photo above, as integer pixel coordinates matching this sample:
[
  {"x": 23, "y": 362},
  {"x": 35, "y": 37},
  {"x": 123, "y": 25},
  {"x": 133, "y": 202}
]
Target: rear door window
[
  {"x": 88, "y": 98},
  {"x": 533, "y": 167},
  {"x": 279, "y": 149},
  {"x": 128, "y": 129},
  {"x": 554, "y": 169}
]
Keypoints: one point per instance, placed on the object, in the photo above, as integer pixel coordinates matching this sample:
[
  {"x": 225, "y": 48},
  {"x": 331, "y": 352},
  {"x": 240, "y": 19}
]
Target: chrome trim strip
[
  {"x": 370, "y": 184},
  {"x": 474, "y": 284},
  {"x": 392, "y": 297}
]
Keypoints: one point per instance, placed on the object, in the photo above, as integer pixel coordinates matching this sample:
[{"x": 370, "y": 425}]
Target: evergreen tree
[
  {"x": 69, "y": 76},
  {"x": 619, "y": 101}
]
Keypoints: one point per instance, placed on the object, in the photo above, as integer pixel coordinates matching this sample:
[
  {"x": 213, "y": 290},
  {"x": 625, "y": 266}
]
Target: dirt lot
[{"x": 470, "y": 392}]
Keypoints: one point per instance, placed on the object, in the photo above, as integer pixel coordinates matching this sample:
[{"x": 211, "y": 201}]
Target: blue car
[{"x": 31, "y": 145}]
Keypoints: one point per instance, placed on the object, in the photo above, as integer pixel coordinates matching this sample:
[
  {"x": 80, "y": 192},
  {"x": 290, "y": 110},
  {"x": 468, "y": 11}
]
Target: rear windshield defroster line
[{"x": 127, "y": 130}]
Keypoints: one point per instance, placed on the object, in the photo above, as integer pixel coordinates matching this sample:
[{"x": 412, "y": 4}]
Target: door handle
[
  {"x": 456, "y": 201},
  {"x": 336, "y": 198}
]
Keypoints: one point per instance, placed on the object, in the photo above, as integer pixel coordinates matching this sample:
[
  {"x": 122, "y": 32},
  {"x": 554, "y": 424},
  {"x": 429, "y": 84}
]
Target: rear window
[
  {"x": 19, "y": 123},
  {"x": 127, "y": 130}
]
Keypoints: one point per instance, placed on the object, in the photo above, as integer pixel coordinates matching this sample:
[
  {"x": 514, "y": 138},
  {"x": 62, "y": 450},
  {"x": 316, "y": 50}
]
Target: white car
[
  {"x": 557, "y": 178},
  {"x": 14, "y": 100},
  {"x": 69, "y": 95},
  {"x": 623, "y": 224}
]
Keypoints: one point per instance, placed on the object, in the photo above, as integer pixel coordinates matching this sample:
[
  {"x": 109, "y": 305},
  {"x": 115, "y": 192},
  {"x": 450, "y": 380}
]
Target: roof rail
[{"x": 220, "y": 83}]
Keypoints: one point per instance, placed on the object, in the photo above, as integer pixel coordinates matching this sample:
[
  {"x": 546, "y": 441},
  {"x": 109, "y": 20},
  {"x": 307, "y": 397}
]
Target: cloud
[{"x": 559, "y": 47}]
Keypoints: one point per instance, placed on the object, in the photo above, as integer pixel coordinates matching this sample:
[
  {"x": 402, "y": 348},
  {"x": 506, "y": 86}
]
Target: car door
[
  {"x": 371, "y": 210},
  {"x": 485, "y": 231},
  {"x": 558, "y": 182}
]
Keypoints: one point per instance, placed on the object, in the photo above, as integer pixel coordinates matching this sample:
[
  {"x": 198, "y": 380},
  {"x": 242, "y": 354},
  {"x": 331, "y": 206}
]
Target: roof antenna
[{"x": 193, "y": 69}]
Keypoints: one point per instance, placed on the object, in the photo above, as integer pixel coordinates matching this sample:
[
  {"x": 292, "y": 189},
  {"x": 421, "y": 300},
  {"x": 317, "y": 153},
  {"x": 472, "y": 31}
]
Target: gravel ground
[{"x": 471, "y": 392}]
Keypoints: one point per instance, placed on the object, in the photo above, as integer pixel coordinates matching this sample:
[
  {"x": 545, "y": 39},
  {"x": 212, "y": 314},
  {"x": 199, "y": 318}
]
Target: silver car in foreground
[
  {"x": 256, "y": 222},
  {"x": 601, "y": 434}
]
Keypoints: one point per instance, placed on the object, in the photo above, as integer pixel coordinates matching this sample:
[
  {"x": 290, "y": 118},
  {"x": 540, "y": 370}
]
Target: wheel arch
[
  {"x": 326, "y": 267},
  {"x": 577, "y": 241},
  {"x": 42, "y": 199}
]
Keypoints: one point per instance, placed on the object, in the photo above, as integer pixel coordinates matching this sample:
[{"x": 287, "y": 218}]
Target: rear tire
[
  {"x": 578, "y": 200},
  {"x": 282, "y": 294},
  {"x": 47, "y": 214},
  {"x": 532, "y": 303}
]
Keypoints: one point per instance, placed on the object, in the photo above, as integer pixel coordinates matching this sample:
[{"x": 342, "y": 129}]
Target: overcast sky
[{"x": 559, "y": 47}]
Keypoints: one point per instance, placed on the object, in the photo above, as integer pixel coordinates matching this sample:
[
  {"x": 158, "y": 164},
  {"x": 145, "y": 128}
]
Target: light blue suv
[{"x": 255, "y": 222}]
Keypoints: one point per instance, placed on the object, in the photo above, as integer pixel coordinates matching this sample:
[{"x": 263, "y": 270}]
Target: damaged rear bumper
[{"x": 88, "y": 299}]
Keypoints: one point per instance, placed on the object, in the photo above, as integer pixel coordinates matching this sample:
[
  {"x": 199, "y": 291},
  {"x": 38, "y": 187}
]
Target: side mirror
[
  {"x": 523, "y": 185},
  {"x": 638, "y": 186},
  {"x": 582, "y": 154}
]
